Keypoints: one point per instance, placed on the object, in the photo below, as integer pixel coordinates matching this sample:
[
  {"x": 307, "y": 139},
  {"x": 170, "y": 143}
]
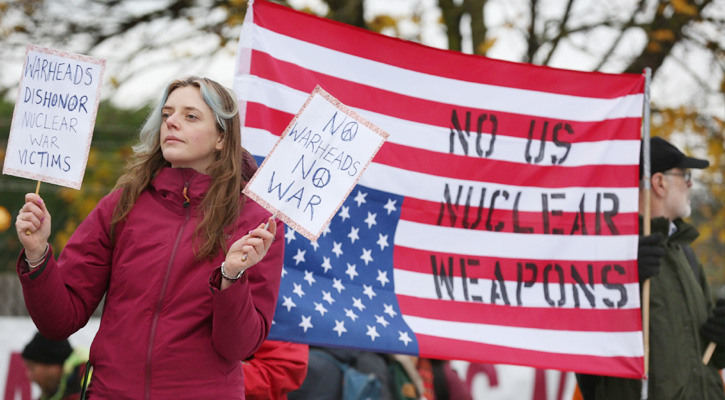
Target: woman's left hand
[{"x": 250, "y": 248}]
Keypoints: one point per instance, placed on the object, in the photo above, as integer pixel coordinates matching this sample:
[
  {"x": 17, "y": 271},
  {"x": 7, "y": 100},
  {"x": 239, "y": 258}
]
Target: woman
[{"x": 169, "y": 248}]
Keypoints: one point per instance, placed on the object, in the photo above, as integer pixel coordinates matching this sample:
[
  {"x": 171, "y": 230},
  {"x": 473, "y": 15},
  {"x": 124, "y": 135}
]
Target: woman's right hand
[{"x": 33, "y": 226}]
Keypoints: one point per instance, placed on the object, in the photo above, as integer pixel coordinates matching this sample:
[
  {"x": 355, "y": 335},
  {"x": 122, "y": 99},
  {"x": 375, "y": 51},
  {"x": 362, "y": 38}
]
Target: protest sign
[
  {"x": 315, "y": 164},
  {"x": 54, "y": 116}
]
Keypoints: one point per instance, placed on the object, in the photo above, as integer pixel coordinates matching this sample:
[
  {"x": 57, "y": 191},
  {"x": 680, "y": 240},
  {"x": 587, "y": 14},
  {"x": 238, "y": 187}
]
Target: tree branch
[
  {"x": 665, "y": 32},
  {"x": 452, "y": 19},
  {"x": 562, "y": 31},
  {"x": 475, "y": 8}
]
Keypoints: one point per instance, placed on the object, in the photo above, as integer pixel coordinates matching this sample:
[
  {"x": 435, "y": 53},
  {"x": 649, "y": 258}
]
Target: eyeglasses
[{"x": 687, "y": 175}]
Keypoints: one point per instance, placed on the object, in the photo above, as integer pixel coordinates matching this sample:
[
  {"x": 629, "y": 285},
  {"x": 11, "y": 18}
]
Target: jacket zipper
[{"x": 159, "y": 303}]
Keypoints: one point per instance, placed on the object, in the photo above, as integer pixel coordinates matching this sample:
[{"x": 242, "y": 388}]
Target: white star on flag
[
  {"x": 289, "y": 235},
  {"x": 288, "y": 303},
  {"x": 372, "y": 332},
  {"x": 300, "y": 256},
  {"x": 390, "y": 206},
  {"x": 381, "y": 320},
  {"x": 305, "y": 324},
  {"x": 339, "y": 327},
  {"x": 337, "y": 284},
  {"x": 360, "y": 198},
  {"x": 370, "y": 220},
  {"x": 389, "y": 310},
  {"x": 404, "y": 337},
  {"x": 351, "y": 314},
  {"x": 326, "y": 264},
  {"x": 357, "y": 303},
  {"x": 344, "y": 213},
  {"x": 352, "y": 271},
  {"x": 321, "y": 308},
  {"x": 353, "y": 234},
  {"x": 382, "y": 241},
  {"x": 315, "y": 245},
  {"x": 298, "y": 290},
  {"x": 337, "y": 249},
  {"x": 326, "y": 296},
  {"x": 368, "y": 291},
  {"x": 367, "y": 256},
  {"x": 382, "y": 277},
  {"x": 309, "y": 278}
]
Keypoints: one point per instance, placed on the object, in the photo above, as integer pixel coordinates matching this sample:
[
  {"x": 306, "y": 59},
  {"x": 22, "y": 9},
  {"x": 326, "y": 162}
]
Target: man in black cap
[
  {"x": 55, "y": 367},
  {"x": 683, "y": 319}
]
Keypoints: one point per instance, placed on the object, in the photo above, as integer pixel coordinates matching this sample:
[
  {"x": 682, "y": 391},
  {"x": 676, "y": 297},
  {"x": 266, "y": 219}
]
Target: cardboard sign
[
  {"x": 54, "y": 116},
  {"x": 315, "y": 164}
]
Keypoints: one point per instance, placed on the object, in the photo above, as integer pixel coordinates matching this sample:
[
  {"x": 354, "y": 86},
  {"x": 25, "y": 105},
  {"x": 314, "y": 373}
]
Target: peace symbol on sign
[
  {"x": 321, "y": 177},
  {"x": 349, "y": 131}
]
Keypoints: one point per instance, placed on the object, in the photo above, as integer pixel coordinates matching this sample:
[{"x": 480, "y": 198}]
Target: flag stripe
[
  {"x": 513, "y": 122},
  {"x": 538, "y": 295},
  {"x": 566, "y": 319},
  {"x": 483, "y": 170},
  {"x": 626, "y": 367},
  {"x": 432, "y": 188},
  {"x": 429, "y": 137},
  {"x": 408, "y": 55},
  {"x": 421, "y": 261},
  {"x": 509, "y": 245},
  {"x": 456, "y": 210},
  {"x": 619, "y": 344},
  {"x": 425, "y": 86},
  {"x": 487, "y": 170}
]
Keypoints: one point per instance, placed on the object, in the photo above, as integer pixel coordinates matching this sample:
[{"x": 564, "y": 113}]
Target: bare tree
[{"x": 616, "y": 36}]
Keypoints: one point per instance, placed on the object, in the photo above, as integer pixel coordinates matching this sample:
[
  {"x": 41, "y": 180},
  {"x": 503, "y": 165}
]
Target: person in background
[
  {"x": 401, "y": 377},
  {"x": 425, "y": 379},
  {"x": 276, "y": 369},
  {"x": 171, "y": 249},
  {"x": 683, "y": 318},
  {"x": 55, "y": 367}
]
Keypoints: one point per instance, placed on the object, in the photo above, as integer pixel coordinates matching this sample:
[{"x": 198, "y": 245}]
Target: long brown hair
[{"x": 221, "y": 204}]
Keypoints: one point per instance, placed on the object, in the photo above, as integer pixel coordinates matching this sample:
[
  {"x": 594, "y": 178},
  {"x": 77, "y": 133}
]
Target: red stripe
[
  {"x": 471, "y": 168},
  {"x": 451, "y": 212},
  {"x": 435, "y": 113},
  {"x": 421, "y": 261},
  {"x": 505, "y": 172},
  {"x": 454, "y": 65},
  {"x": 262, "y": 117},
  {"x": 451, "y": 349},
  {"x": 565, "y": 319}
]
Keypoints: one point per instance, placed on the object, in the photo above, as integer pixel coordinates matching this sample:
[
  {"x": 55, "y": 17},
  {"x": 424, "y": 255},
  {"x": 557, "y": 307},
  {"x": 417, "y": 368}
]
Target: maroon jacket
[{"x": 167, "y": 331}]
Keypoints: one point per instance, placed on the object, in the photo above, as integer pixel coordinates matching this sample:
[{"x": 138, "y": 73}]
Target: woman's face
[{"x": 189, "y": 135}]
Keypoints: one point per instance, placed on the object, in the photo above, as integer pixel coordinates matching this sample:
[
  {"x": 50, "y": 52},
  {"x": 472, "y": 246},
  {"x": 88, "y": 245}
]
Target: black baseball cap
[{"x": 664, "y": 156}]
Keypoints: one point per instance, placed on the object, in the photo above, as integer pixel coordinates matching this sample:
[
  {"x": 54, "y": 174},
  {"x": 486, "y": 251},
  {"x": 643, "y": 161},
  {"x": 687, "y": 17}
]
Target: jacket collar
[
  {"x": 686, "y": 233},
  {"x": 169, "y": 185}
]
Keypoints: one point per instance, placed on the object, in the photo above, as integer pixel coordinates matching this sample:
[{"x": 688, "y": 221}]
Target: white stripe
[
  {"x": 433, "y": 188},
  {"x": 416, "y": 284},
  {"x": 436, "y": 138},
  {"x": 515, "y": 245},
  {"x": 601, "y": 344},
  {"x": 429, "y": 87}
]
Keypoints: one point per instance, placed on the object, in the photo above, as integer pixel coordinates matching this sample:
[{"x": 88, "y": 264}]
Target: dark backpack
[{"x": 355, "y": 384}]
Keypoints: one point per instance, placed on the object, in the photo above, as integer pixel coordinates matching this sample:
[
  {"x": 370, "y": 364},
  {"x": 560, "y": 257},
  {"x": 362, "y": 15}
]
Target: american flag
[{"x": 497, "y": 224}]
